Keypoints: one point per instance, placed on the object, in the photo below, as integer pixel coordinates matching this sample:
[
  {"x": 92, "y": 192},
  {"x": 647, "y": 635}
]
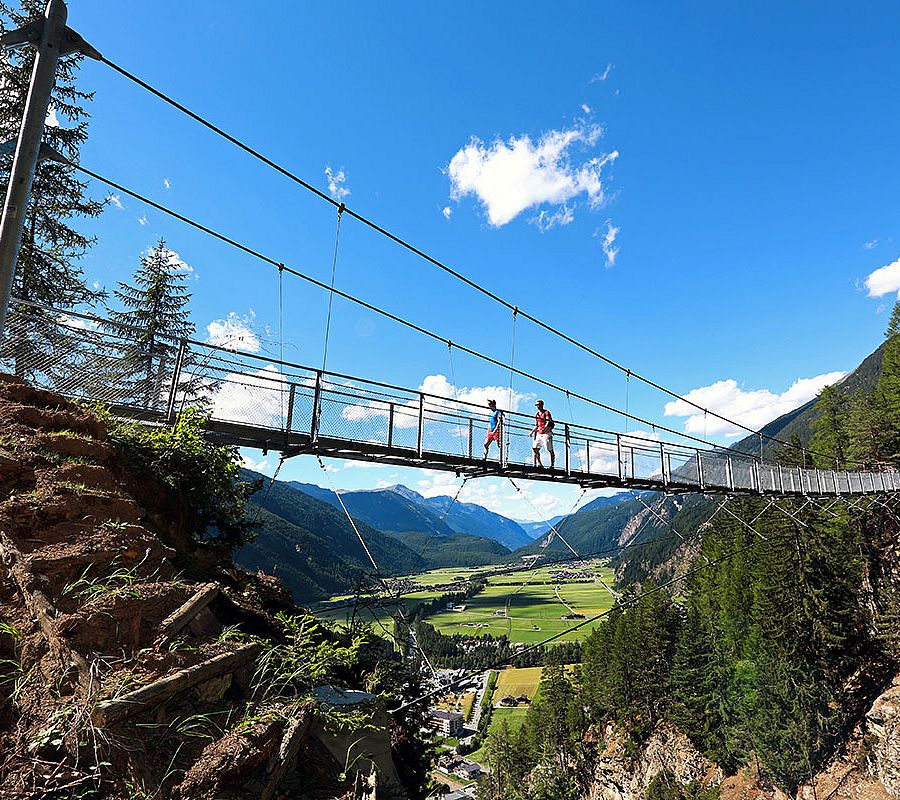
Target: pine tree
[
  {"x": 829, "y": 441},
  {"x": 865, "y": 429},
  {"x": 887, "y": 392},
  {"x": 47, "y": 269},
  {"x": 155, "y": 315}
]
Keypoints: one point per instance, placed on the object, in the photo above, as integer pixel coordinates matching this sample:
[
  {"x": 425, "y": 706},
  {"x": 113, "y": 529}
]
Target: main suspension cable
[
  {"x": 380, "y": 311},
  {"x": 431, "y": 259}
]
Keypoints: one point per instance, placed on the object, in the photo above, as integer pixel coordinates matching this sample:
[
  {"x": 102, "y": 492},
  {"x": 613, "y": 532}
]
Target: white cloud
[
  {"x": 175, "y": 262},
  {"x": 602, "y": 76},
  {"x": 234, "y": 331},
  {"x": 78, "y": 323},
  {"x": 447, "y": 212},
  {"x": 870, "y": 245},
  {"x": 586, "y": 108},
  {"x": 51, "y": 120},
  {"x": 142, "y": 219},
  {"x": 445, "y": 397},
  {"x": 884, "y": 280},
  {"x": 609, "y": 238},
  {"x": 336, "y": 183},
  {"x": 545, "y": 221},
  {"x": 257, "y": 466},
  {"x": 259, "y": 397},
  {"x": 752, "y": 408},
  {"x": 114, "y": 199},
  {"x": 166, "y": 183},
  {"x": 511, "y": 176}
]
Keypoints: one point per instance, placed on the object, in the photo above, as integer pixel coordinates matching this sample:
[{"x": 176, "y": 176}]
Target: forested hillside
[
  {"x": 311, "y": 546},
  {"x": 768, "y": 654}
]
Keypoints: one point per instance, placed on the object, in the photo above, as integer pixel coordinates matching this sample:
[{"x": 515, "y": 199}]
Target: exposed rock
[{"x": 620, "y": 774}]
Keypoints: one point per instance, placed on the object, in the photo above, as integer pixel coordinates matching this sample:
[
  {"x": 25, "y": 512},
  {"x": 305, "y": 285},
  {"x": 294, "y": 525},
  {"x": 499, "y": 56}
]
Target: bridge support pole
[
  {"x": 52, "y": 39},
  {"x": 420, "y": 438},
  {"x": 176, "y": 379},
  {"x": 568, "y": 453},
  {"x": 316, "y": 409}
]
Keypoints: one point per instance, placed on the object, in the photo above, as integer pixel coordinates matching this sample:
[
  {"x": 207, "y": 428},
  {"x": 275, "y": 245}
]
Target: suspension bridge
[{"x": 260, "y": 402}]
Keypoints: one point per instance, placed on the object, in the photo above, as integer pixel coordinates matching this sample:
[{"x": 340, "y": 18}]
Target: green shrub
[{"x": 201, "y": 476}]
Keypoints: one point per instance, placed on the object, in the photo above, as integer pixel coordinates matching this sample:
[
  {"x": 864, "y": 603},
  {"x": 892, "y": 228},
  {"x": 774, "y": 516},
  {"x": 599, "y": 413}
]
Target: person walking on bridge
[
  {"x": 542, "y": 434},
  {"x": 495, "y": 426}
]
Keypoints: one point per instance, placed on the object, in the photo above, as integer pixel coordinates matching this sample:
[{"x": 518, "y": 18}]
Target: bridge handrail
[{"x": 343, "y": 402}]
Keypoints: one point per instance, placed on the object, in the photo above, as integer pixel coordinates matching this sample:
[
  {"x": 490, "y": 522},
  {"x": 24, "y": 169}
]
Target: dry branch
[{"x": 120, "y": 708}]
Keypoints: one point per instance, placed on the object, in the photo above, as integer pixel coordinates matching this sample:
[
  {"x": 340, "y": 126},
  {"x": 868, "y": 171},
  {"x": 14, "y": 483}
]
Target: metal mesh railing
[{"x": 151, "y": 376}]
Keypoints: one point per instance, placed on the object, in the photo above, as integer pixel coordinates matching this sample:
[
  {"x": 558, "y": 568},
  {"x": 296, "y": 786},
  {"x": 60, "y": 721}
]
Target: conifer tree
[
  {"x": 865, "y": 428},
  {"x": 887, "y": 392},
  {"x": 47, "y": 269},
  {"x": 829, "y": 440},
  {"x": 154, "y": 314}
]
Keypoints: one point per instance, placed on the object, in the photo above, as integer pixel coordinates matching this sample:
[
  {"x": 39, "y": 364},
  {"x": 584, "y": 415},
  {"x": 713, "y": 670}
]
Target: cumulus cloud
[
  {"x": 113, "y": 199},
  {"x": 884, "y": 280},
  {"x": 259, "y": 396},
  {"x": 445, "y": 398},
  {"x": 447, "y": 212},
  {"x": 234, "y": 331},
  {"x": 176, "y": 263},
  {"x": 51, "y": 120},
  {"x": 609, "y": 238},
  {"x": 78, "y": 323},
  {"x": 509, "y": 177},
  {"x": 752, "y": 408},
  {"x": 336, "y": 183},
  {"x": 257, "y": 466},
  {"x": 586, "y": 108}
]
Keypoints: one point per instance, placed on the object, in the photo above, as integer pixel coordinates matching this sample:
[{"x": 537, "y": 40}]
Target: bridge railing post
[
  {"x": 176, "y": 379},
  {"x": 729, "y": 472},
  {"x": 780, "y": 479},
  {"x": 587, "y": 457},
  {"x": 390, "y": 430},
  {"x": 471, "y": 427},
  {"x": 568, "y": 451},
  {"x": 662, "y": 464},
  {"x": 700, "y": 471},
  {"x": 289, "y": 418},
  {"x": 316, "y": 408},
  {"x": 420, "y": 437}
]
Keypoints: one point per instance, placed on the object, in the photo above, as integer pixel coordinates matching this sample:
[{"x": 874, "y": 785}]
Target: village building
[{"x": 448, "y": 723}]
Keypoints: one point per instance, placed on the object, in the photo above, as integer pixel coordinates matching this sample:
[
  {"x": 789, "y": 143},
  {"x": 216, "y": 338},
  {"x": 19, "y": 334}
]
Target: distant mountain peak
[{"x": 405, "y": 491}]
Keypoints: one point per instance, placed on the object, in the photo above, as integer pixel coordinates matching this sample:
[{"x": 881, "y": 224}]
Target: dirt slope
[{"x": 118, "y": 676}]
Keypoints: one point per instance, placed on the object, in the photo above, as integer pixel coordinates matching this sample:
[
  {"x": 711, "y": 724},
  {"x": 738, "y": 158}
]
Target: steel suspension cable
[
  {"x": 431, "y": 259},
  {"x": 380, "y": 311},
  {"x": 349, "y": 518},
  {"x": 337, "y": 239}
]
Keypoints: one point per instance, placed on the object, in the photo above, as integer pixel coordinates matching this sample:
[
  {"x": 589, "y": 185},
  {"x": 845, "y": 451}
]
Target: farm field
[
  {"x": 530, "y": 606},
  {"x": 526, "y": 607},
  {"x": 515, "y": 719},
  {"x": 516, "y": 681}
]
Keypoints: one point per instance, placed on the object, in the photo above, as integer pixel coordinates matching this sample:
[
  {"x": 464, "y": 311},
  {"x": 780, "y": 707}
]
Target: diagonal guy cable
[
  {"x": 612, "y": 592},
  {"x": 747, "y": 525}
]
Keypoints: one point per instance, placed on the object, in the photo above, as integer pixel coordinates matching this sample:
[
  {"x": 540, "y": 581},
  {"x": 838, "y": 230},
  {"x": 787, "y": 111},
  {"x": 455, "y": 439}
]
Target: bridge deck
[{"x": 260, "y": 402}]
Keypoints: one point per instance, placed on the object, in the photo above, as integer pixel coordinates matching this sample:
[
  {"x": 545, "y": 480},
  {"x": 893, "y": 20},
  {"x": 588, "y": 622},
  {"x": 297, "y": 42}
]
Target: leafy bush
[{"x": 202, "y": 477}]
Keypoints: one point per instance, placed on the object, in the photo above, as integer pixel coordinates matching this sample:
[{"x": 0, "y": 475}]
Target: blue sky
[{"x": 699, "y": 190}]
